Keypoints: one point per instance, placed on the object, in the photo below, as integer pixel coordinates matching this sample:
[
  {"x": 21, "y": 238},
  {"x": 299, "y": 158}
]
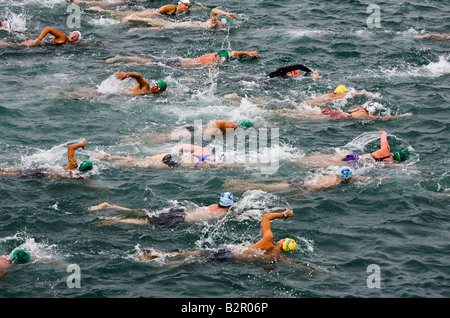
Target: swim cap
[
  {"x": 184, "y": 1},
  {"x": 78, "y": 33},
  {"x": 20, "y": 256},
  {"x": 289, "y": 245},
  {"x": 345, "y": 172},
  {"x": 224, "y": 54},
  {"x": 400, "y": 156},
  {"x": 85, "y": 166},
  {"x": 341, "y": 89},
  {"x": 226, "y": 199},
  {"x": 246, "y": 124},
  {"x": 226, "y": 20},
  {"x": 162, "y": 84},
  {"x": 372, "y": 108}
]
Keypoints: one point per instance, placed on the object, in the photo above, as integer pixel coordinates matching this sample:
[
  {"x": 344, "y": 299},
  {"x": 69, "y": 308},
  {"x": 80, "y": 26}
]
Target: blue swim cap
[
  {"x": 345, "y": 172},
  {"x": 226, "y": 199}
]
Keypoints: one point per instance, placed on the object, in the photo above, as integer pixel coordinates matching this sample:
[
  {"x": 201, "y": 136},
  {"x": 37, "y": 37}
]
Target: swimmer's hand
[
  {"x": 288, "y": 213},
  {"x": 382, "y": 132},
  {"x": 121, "y": 76},
  {"x": 83, "y": 143},
  {"x": 315, "y": 74},
  {"x": 253, "y": 54}
]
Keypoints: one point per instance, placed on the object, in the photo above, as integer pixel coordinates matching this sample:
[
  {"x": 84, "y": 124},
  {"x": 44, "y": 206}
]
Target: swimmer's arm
[
  {"x": 242, "y": 53},
  {"x": 265, "y": 223},
  {"x": 71, "y": 155},
  {"x": 282, "y": 71},
  {"x": 216, "y": 11},
  {"x": 141, "y": 81},
  {"x": 397, "y": 116},
  {"x": 167, "y": 9},
  {"x": 56, "y": 33}
]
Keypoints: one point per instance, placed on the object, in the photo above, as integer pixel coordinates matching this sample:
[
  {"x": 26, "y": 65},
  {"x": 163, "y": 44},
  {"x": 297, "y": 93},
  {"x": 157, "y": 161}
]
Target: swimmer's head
[
  {"x": 344, "y": 172},
  {"x": 372, "y": 108},
  {"x": 74, "y": 36},
  {"x": 341, "y": 89},
  {"x": 226, "y": 20},
  {"x": 85, "y": 166},
  {"x": 226, "y": 199},
  {"x": 288, "y": 245},
  {"x": 223, "y": 54},
  {"x": 4, "y": 24},
  {"x": 246, "y": 124},
  {"x": 160, "y": 86},
  {"x": 187, "y": 3},
  {"x": 400, "y": 156},
  {"x": 20, "y": 256}
]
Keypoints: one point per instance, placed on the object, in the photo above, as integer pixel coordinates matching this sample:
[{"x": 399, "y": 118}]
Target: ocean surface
[{"x": 399, "y": 225}]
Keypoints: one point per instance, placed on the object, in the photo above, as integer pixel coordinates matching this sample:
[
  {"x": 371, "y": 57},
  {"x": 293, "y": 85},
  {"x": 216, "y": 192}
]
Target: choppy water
[{"x": 400, "y": 223}]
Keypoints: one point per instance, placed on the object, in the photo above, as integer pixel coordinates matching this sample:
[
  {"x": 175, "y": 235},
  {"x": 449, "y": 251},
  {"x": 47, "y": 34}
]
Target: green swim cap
[
  {"x": 20, "y": 256},
  {"x": 162, "y": 84},
  {"x": 246, "y": 124},
  {"x": 226, "y": 20},
  {"x": 85, "y": 166},
  {"x": 224, "y": 54},
  {"x": 400, "y": 156}
]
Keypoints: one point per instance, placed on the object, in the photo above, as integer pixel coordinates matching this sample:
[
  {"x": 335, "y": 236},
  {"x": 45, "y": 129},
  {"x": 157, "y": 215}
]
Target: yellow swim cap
[
  {"x": 341, "y": 89},
  {"x": 289, "y": 245}
]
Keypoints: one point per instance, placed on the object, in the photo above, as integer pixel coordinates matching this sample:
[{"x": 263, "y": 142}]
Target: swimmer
[
  {"x": 383, "y": 155},
  {"x": 292, "y": 70},
  {"x": 4, "y": 24},
  {"x": 367, "y": 111},
  {"x": 109, "y": 3},
  {"x": 433, "y": 36},
  {"x": 210, "y": 58},
  {"x": 186, "y": 156},
  {"x": 265, "y": 250},
  {"x": 212, "y": 23},
  {"x": 19, "y": 256},
  {"x": 59, "y": 39},
  {"x": 339, "y": 93},
  {"x": 173, "y": 217},
  {"x": 60, "y": 172},
  {"x": 143, "y": 87},
  {"x": 168, "y": 10},
  {"x": 206, "y": 132},
  {"x": 343, "y": 175}
]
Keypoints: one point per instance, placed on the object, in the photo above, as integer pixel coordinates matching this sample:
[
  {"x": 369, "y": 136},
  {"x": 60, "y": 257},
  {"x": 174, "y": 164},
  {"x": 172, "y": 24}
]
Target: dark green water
[{"x": 400, "y": 223}]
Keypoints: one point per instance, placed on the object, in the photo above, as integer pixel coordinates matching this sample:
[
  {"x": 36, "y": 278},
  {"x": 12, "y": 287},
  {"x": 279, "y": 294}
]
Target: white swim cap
[
  {"x": 78, "y": 33},
  {"x": 372, "y": 108}
]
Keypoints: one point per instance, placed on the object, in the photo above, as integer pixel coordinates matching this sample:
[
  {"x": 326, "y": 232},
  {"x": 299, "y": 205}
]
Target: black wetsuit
[
  {"x": 282, "y": 71},
  {"x": 174, "y": 217}
]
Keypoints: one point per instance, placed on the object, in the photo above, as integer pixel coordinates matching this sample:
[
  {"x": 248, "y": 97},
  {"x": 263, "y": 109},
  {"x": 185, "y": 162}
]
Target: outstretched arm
[
  {"x": 73, "y": 165},
  {"x": 216, "y": 11},
  {"x": 282, "y": 71},
  {"x": 266, "y": 228},
  {"x": 141, "y": 81},
  {"x": 167, "y": 9},
  {"x": 242, "y": 53},
  {"x": 384, "y": 150}
]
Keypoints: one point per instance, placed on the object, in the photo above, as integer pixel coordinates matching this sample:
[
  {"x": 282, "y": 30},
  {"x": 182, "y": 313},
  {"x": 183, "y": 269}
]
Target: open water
[{"x": 400, "y": 224}]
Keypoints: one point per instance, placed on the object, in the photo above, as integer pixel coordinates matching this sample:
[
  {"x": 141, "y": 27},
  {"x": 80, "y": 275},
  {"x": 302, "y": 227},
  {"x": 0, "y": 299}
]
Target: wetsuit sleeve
[{"x": 282, "y": 71}]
